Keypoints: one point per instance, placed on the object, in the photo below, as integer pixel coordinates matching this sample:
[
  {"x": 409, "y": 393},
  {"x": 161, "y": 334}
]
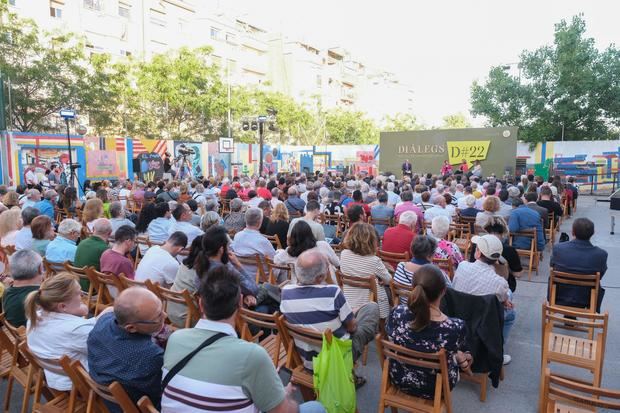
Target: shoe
[{"x": 507, "y": 359}]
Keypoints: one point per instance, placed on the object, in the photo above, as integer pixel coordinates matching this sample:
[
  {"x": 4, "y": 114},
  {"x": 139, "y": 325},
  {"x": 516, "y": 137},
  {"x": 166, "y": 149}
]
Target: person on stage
[
  {"x": 446, "y": 169},
  {"x": 406, "y": 167},
  {"x": 464, "y": 167}
]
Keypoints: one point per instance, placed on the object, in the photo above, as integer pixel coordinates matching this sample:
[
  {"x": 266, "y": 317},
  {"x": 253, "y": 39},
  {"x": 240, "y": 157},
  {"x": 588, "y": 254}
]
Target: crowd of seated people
[{"x": 202, "y": 237}]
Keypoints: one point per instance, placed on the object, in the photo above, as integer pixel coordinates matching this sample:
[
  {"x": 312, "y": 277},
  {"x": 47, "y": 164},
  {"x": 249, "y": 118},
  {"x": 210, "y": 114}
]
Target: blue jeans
[
  {"x": 509, "y": 319},
  {"x": 311, "y": 407}
]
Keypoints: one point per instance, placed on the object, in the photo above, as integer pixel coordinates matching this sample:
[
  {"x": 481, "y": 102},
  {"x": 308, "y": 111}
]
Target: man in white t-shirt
[
  {"x": 31, "y": 177},
  {"x": 159, "y": 264}
]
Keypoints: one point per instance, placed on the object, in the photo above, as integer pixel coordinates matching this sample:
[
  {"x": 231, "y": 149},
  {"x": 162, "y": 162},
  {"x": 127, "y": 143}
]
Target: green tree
[
  {"x": 47, "y": 71},
  {"x": 401, "y": 122},
  {"x": 350, "y": 128},
  {"x": 568, "y": 86},
  {"x": 455, "y": 121}
]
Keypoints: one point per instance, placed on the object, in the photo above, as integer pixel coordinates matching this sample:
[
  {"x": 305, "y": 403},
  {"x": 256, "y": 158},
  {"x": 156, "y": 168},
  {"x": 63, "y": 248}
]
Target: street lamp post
[
  {"x": 259, "y": 124},
  {"x": 67, "y": 115},
  {"x": 261, "y": 140}
]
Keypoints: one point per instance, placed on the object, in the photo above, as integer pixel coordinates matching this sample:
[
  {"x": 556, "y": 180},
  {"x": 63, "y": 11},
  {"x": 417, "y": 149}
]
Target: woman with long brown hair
[
  {"x": 279, "y": 223},
  {"x": 421, "y": 326},
  {"x": 56, "y": 324},
  {"x": 93, "y": 209}
]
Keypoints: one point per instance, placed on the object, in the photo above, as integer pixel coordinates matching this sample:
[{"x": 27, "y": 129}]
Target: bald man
[
  {"x": 88, "y": 253},
  {"x": 120, "y": 346}
]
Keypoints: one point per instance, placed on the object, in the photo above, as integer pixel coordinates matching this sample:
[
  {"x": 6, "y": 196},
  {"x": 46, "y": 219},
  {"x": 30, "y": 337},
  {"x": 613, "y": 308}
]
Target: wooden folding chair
[
  {"x": 272, "y": 343},
  {"x": 446, "y": 265},
  {"x": 89, "y": 299},
  {"x": 460, "y": 235},
  {"x": 97, "y": 393},
  {"x": 558, "y": 279},
  {"x": 53, "y": 268},
  {"x": 10, "y": 339},
  {"x": 274, "y": 270},
  {"x": 400, "y": 292},
  {"x": 470, "y": 222},
  {"x": 586, "y": 353},
  {"x": 257, "y": 261},
  {"x": 393, "y": 258},
  {"x": 532, "y": 253},
  {"x": 107, "y": 287},
  {"x": 291, "y": 334},
  {"x": 334, "y": 220},
  {"x": 550, "y": 228},
  {"x": 146, "y": 406},
  {"x": 61, "y": 401},
  {"x": 179, "y": 297},
  {"x": 368, "y": 284},
  {"x": 128, "y": 282},
  {"x": 5, "y": 254},
  {"x": 394, "y": 398},
  {"x": 561, "y": 395},
  {"x": 275, "y": 241}
]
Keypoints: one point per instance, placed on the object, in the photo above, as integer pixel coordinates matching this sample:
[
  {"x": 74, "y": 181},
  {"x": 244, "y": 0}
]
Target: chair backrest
[
  {"x": 438, "y": 362},
  {"x": 53, "y": 268},
  {"x": 333, "y": 220},
  {"x": 275, "y": 241},
  {"x": 274, "y": 270},
  {"x": 10, "y": 339},
  {"x": 400, "y": 290},
  {"x": 446, "y": 265},
  {"x": 292, "y": 333},
  {"x": 526, "y": 233},
  {"x": 393, "y": 258},
  {"x": 98, "y": 392},
  {"x": 592, "y": 323},
  {"x": 179, "y": 297},
  {"x": 560, "y": 391},
  {"x": 558, "y": 278},
  {"x": 380, "y": 221},
  {"x": 5, "y": 253},
  {"x": 257, "y": 261},
  {"x": 146, "y": 406},
  {"x": 469, "y": 221},
  {"x": 128, "y": 282},
  {"x": 365, "y": 283},
  {"x": 106, "y": 285},
  {"x": 261, "y": 321}
]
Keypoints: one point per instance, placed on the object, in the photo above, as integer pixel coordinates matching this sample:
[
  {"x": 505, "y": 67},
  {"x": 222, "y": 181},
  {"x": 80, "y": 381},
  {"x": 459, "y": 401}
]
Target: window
[
  {"x": 56, "y": 12},
  {"x": 158, "y": 21},
  {"x": 215, "y": 33},
  {"x": 123, "y": 11},
  {"x": 231, "y": 38},
  {"x": 13, "y": 2},
  {"x": 93, "y": 5},
  {"x": 125, "y": 53}
]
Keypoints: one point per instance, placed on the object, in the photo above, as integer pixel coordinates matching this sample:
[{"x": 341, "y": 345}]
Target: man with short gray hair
[
  {"x": 311, "y": 300},
  {"x": 63, "y": 247},
  {"x": 32, "y": 197},
  {"x": 23, "y": 239},
  {"x": 26, "y": 273},
  {"x": 250, "y": 241}
]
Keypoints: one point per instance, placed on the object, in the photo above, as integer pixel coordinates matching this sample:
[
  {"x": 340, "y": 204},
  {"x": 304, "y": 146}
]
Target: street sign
[
  {"x": 262, "y": 118},
  {"x": 67, "y": 113}
]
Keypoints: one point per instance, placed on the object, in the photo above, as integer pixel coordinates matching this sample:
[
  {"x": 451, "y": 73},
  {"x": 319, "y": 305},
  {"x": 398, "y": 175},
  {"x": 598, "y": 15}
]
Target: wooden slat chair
[
  {"x": 391, "y": 396},
  {"x": 387, "y": 222},
  {"x": 460, "y": 235},
  {"x": 334, "y": 220},
  {"x": 11, "y": 337},
  {"x": 106, "y": 286},
  {"x": 53, "y": 268},
  {"x": 275, "y": 241},
  {"x": 532, "y": 253},
  {"x": 257, "y": 261},
  {"x": 128, "y": 283},
  {"x": 61, "y": 401},
  {"x": 271, "y": 343},
  {"x": 470, "y": 222},
  {"x": 183, "y": 297},
  {"x": 225, "y": 206},
  {"x": 393, "y": 258},
  {"x": 97, "y": 393},
  {"x": 446, "y": 265},
  {"x": 5, "y": 254},
  {"x": 586, "y": 353},
  {"x": 274, "y": 270},
  {"x": 561, "y": 395},
  {"x": 558, "y": 279},
  {"x": 550, "y": 229},
  {"x": 291, "y": 333},
  {"x": 85, "y": 232},
  {"x": 368, "y": 284},
  {"x": 146, "y": 406},
  {"x": 400, "y": 290}
]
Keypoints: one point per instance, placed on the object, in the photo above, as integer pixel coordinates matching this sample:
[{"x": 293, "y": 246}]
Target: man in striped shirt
[{"x": 313, "y": 304}]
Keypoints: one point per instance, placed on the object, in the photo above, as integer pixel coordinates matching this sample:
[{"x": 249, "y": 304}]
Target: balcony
[{"x": 253, "y": 43}]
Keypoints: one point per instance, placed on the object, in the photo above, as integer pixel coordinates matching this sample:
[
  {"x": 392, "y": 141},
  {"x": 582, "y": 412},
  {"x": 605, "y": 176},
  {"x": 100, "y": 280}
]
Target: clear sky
[{"x": 437, "y": 46}]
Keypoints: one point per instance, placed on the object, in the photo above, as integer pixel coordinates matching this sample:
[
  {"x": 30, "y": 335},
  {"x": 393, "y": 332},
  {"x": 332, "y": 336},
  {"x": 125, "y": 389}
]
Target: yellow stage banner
[{"x": 469, "y": 150}]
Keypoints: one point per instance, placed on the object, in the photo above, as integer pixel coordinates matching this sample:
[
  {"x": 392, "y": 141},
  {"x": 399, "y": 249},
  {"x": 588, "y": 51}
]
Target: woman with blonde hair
[
  {"x": 279, "y": 223},
  {"x": 11, "y": 199},
  {"x": 93, "y": 209},
  {"x": 490, "y": 208},
  {"x": 359, "y": 259},
  {"x": 56, "y": 324},
  {"x": 10, "y": 224}
]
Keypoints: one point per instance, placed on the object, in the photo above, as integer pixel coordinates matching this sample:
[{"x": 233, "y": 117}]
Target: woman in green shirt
[{"x": 42, "y": 233}]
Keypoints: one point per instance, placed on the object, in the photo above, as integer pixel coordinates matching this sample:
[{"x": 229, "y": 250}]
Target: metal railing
[{"x": 598, "y": 184}]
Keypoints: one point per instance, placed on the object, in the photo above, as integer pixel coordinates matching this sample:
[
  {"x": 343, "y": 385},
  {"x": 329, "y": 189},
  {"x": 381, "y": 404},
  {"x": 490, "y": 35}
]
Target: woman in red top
[
  {"x": 446, "y": 169},
  {"x": 464, "y": 167}
]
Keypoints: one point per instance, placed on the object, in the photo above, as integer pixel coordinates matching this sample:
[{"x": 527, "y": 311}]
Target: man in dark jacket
[{"x": 579, "y": 256}]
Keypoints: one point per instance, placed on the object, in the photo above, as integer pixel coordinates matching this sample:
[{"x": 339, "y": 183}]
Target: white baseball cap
[{"x": 490, "y": 246}]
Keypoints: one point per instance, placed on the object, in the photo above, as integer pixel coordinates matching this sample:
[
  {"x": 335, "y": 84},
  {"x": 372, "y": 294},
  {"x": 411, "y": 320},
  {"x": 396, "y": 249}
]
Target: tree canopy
[{"x": 569, "y": 88}]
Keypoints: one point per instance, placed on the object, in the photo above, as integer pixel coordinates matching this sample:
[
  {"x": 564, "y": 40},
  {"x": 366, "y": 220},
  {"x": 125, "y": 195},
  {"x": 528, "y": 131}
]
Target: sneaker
[{"x": 507, "y": 359}]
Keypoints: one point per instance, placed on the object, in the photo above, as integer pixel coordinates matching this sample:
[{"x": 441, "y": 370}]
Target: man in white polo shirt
[
  {"x": 159, "y": 264},
  {"x": 225, "y": 373}
]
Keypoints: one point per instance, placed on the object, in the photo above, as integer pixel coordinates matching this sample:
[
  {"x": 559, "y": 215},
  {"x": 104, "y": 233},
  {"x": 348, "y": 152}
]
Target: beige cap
[{"x": 490, "y": 246}]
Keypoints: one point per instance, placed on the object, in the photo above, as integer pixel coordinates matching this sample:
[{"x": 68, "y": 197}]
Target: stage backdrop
[{"x": 496, "y": 148}]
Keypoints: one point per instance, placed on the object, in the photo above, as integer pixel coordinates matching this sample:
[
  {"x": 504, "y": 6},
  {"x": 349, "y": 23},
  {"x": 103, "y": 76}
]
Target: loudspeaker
[{"x": 615, "y": 201}]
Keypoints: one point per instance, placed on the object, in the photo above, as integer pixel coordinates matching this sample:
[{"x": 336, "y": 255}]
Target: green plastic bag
[{"x": 333, "y": 376}]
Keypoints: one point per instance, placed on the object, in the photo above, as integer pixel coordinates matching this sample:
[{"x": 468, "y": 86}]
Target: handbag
[{"x": 183, "y": 362}]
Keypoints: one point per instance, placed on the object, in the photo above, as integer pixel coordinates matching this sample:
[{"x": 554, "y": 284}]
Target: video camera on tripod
[{"x": 185, "y": 151}]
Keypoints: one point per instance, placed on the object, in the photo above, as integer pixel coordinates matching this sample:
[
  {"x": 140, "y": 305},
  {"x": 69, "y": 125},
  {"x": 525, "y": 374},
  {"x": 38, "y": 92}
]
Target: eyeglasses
[{"x": 156, "y": 321}]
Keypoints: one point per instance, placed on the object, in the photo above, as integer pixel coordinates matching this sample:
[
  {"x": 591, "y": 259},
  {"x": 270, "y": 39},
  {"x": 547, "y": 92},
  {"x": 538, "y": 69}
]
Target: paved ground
[{"x": 519, "y": 391}]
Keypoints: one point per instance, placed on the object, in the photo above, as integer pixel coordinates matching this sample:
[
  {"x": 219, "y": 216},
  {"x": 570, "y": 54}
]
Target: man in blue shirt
[
  {"x": 120, "y": 346},
  {"x": 382, "y": 211},
  {"x": 579, "y": 256},
  {"x": 46, "y": 205},
  {"x": 523, "y": 218},
  {"x": 63, "y": 247},
  {"x": 250, "y": 241}
]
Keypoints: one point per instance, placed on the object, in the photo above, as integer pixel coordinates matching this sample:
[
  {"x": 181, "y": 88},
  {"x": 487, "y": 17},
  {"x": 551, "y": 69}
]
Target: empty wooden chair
[
  {"x": 531, "y": 253},
  {"x": 53, "y": 268},
  {"x": 271, "y": 343},
  {"x": 393, "y": 258},
  {"x": 10, "y": 339},
  {"x": 460, "y": 235},
  {"x": 446, "y": 265},
  {"x": 586, "y": 353},
  {"x": 561, "y": 395},
  {"x": 557, "y": 279},
  {"x": 392, "y": 397},
  {"x": 179, "y": 297}
]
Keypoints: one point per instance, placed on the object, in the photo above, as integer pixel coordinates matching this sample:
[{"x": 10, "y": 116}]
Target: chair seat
[
  {"x": 580, "y": 351},
  {"x": 461, "y": 243},
  {"x": 559, "y": 407},
  {"x": 60, "y": 404},
  {"x": 303, "y": 377},
  {"x": 6, "y": 361},
  {"x": 269, "y": 344},
  {"x": 406, "y": 401}
]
